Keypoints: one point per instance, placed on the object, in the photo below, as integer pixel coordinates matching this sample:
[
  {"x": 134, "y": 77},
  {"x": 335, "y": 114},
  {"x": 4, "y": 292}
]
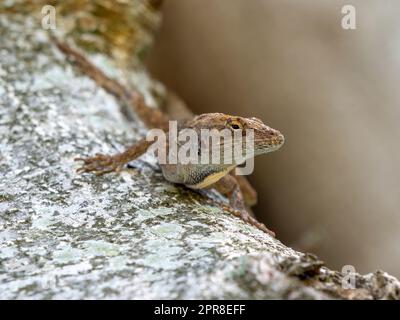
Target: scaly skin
[{"x": 194, "y": 176}]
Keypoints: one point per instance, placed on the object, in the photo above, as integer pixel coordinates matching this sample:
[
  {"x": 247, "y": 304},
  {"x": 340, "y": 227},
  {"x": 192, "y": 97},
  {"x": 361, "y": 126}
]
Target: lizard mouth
[{"x": 271, "y": 144}]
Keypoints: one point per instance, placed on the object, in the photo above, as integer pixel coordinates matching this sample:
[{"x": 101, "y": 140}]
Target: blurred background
[{"x": 334, "y": 188}]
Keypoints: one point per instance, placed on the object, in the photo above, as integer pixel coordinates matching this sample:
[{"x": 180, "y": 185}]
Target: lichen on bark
[{"x": 133, "y": 235}]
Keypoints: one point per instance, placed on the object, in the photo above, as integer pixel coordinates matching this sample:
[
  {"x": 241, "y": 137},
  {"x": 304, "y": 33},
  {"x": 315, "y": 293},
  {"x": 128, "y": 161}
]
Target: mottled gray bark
[{"x": 133, "y": 235}]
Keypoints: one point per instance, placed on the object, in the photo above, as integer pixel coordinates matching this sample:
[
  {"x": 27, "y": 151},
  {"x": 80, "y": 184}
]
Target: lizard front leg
[
  {"x": 248, "y": 192},
  {"x": 229, "y": 186},
  {"x": 101, "y": 163}
]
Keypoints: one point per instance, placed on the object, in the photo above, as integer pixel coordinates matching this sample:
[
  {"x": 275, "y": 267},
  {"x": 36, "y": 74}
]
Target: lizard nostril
[{"x": 274, "y": 133}]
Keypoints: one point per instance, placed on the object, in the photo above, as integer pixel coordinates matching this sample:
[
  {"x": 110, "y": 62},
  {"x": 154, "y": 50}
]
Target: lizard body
[{"x": 194, "y": 176}]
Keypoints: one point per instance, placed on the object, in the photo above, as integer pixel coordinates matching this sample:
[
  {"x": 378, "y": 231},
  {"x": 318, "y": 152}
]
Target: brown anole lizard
[{"x": 194, "y": 176}]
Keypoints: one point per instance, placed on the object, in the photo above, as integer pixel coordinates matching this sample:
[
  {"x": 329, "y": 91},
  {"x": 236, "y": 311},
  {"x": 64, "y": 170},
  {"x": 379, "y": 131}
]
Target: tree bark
[{"x": 129, "y": 236}]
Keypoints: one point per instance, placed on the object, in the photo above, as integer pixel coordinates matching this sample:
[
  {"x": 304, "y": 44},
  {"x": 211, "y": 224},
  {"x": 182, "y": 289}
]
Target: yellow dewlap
[{"x": 209, "y": 180}]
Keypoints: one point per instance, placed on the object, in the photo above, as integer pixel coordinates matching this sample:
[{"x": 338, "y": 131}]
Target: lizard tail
[{"x": 151, "y": 117}]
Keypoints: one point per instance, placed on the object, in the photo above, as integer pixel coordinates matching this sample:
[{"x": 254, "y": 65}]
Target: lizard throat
[{"x": 210, "y": 179}]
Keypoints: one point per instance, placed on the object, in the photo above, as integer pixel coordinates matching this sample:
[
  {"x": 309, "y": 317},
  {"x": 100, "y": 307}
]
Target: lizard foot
[
  {"x": 100, "y": 164},
  {"x": 246, "y": 217}
]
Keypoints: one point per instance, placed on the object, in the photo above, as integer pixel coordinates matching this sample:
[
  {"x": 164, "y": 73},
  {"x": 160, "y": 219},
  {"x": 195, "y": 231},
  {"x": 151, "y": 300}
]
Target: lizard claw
[
  {"x": 246, "y": 217},
  {"x": 99, "y": 164},
  {"x": 260, "y": 226}
]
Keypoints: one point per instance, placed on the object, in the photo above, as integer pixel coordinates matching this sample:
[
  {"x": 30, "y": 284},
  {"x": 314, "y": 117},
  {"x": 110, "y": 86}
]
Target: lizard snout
[{"x": 276, "y": 138}]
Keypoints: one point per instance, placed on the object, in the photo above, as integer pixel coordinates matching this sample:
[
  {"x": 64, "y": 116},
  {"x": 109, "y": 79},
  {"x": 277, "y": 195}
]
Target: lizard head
[{"x": 264, "y": 138}]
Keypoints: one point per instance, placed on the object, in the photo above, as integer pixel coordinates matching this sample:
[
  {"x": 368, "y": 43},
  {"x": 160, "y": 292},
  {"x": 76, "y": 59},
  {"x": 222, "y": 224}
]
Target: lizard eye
[{"x": 235, "y": 125}]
